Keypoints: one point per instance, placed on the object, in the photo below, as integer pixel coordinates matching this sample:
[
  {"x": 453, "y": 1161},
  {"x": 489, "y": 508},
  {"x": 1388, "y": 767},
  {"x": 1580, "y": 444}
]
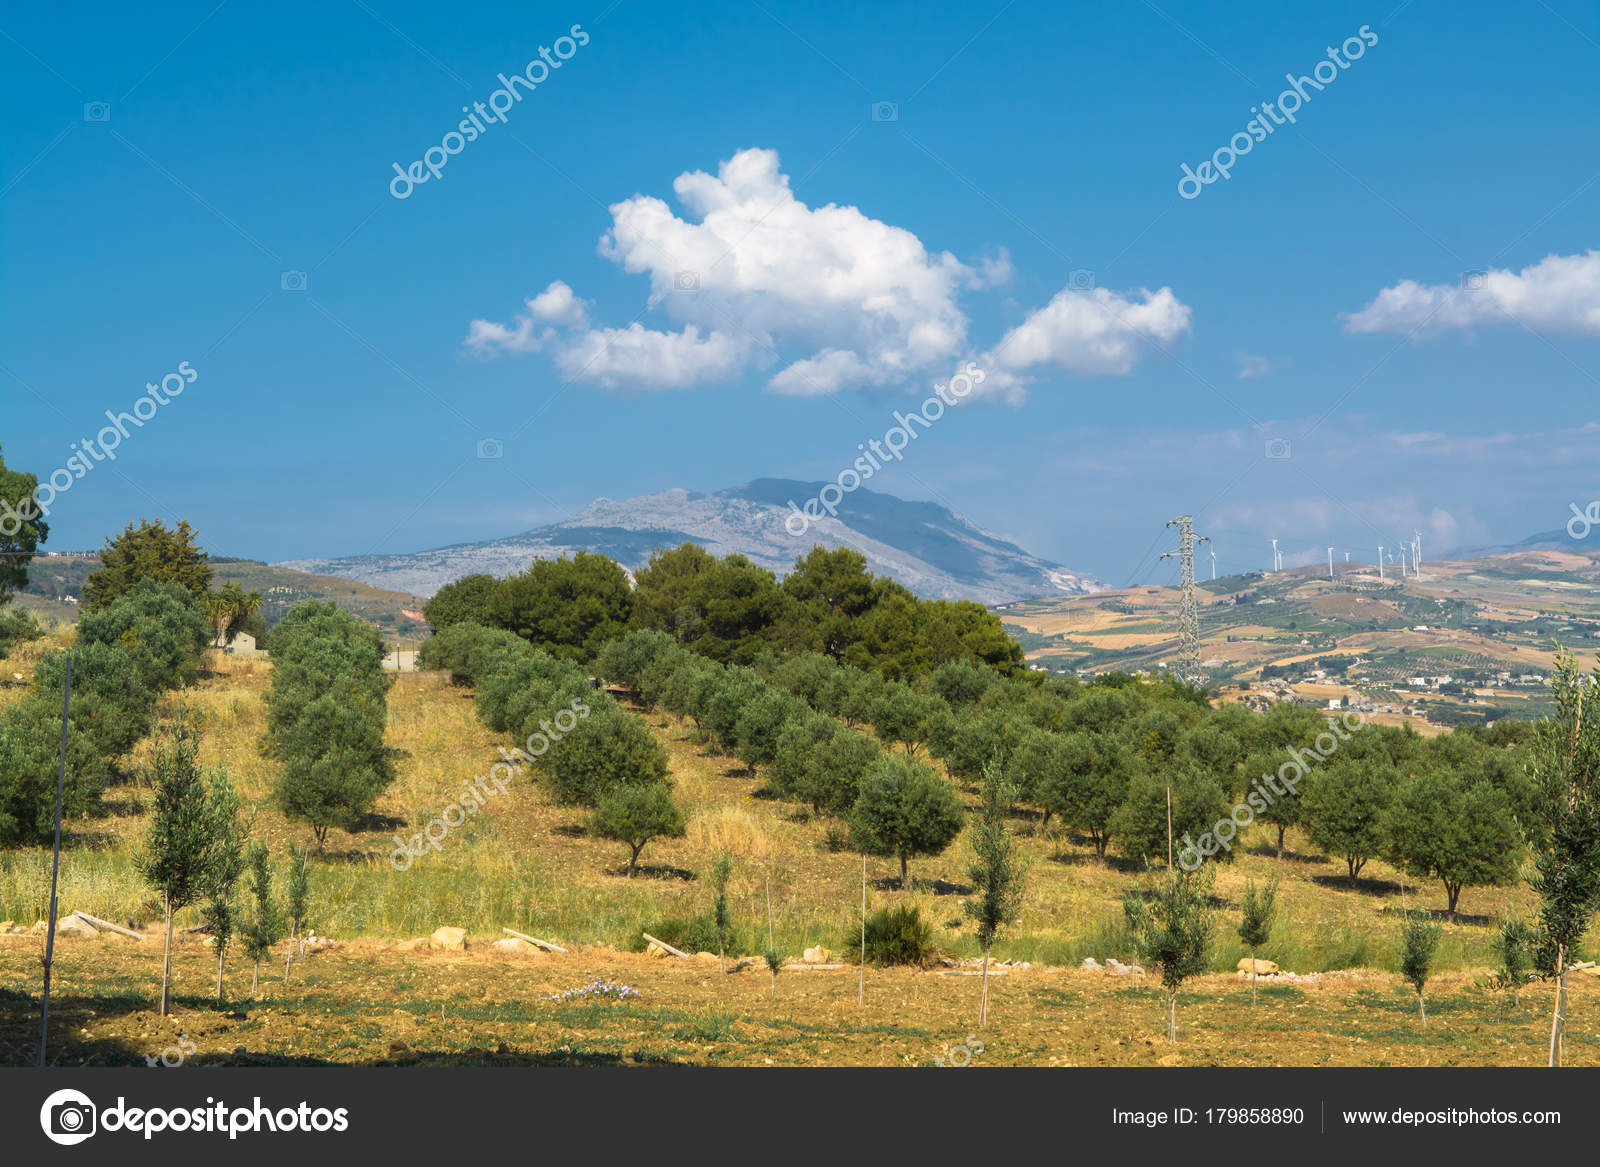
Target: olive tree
[{"x": 904, "y": 810}]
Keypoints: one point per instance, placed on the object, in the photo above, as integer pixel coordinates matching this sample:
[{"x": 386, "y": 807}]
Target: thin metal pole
[{"x": 55, "y": 864}]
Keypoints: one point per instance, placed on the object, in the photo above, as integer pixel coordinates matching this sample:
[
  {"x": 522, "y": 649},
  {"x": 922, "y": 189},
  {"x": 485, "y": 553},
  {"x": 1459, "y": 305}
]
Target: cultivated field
[{"x": 527, "y": 864}]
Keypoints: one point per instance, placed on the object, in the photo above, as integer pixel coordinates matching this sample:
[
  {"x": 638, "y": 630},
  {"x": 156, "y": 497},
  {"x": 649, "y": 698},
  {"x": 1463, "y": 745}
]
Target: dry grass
[
  {"x": 526, "y": 863},
  {"x": 367, "y": 1004}
]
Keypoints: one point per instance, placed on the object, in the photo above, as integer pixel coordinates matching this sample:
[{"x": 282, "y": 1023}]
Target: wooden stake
[
  {"x": 861, "y": 988},
  {"x": 1169, "y": 832}
]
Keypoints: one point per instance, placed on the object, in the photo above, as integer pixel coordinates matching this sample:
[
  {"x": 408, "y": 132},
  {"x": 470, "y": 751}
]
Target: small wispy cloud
[{"x": 1251, "y": 367}]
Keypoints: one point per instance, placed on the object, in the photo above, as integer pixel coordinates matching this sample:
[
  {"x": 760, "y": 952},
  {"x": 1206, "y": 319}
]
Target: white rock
[{"x": 75, "y": 926}]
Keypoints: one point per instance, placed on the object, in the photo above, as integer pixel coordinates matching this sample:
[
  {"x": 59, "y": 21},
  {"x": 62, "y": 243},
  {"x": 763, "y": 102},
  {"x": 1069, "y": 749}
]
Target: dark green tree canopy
[
  {"x": 1445, "y": 824},
  {"x": 568, "y": 607},
  {"x": 1345, "y": 804},
  {"x": 634, "y": 815},
  {"x": 30, "y": 751},
  {"x": 465, "y": 601},
  {"x": 147, "y": 551},
  {"x": 161, "y": 625},
  {"x": 607, "y": 749},
  {"x": 22, "y": 528},
  {"x": 111, "y": 702},
  {"x": 905, "y": 810}
]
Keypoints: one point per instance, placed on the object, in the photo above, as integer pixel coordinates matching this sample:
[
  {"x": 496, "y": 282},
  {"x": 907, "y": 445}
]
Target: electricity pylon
[{"x": 1188, "y": 611}]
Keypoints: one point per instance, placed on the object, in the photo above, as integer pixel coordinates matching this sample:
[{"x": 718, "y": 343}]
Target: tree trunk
[
  {"x": 633, "y": 860},
  {"x": 1172, "y": 1018},
  {"x": 1453, "y": 894},
  {"x": 1280, "y": 841},
  {"x": 1422, "y": 1007},
  {"x": 1252, "y": 976},
  {"x": 221, "y": 952},
  {"x": 166, "y": 958},
  {"x": 905, "y": 882},
  {"x": 1555, "y": 1018},
  {"x": 289, "y": 955},
  {"x": 255, "y": 980},
  {"x": 983, "y": 998}
]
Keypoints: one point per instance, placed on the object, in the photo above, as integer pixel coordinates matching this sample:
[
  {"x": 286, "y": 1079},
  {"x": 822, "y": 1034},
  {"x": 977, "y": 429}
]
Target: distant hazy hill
[
  {"x": 55, "y": 585},
  {"x": 931, "y": 550},
  {"x": 1559, "y": 539}
]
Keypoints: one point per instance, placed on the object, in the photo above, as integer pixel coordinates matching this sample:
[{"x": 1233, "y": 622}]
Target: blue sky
[{"x": 1029, "y": 141}]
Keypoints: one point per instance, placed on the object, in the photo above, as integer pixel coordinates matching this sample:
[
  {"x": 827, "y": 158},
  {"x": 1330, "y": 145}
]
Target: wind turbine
[
  {"x": 1330, "y": 563},
  {"x": 1416, "y": 552},
  {"x": 1274, "y": 555},
  {"x": 1380, "y": 562},
  {"x": 1213, "y": 563}
]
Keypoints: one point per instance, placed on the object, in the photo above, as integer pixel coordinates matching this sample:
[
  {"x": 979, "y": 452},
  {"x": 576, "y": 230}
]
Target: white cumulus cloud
[
  {"x": 643, "y": 358},
  {"x": 1087, "y": 333},
  {"x": 531, "y": 330},
  {"x": 1560, "y": 293},
  {"x": 750, "y": 277}
]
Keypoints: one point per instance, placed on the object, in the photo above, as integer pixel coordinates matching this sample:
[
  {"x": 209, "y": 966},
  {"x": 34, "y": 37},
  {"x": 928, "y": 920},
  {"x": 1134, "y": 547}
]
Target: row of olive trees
[
  {"x": 592, "y": 753},
  {"x": 1173, "y": 925},
  {"x": 148, "y": 640},
  {"x": 895, "y": 806},
  {"x": 326, "y": 715},
  {"x": 1116, "y": 763}
]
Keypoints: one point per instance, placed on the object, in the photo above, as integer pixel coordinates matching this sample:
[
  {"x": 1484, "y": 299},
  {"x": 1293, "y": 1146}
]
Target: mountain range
[{"x": 930, "y": 549}]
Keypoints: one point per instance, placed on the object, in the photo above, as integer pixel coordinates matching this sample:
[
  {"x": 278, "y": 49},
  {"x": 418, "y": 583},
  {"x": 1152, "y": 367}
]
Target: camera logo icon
[
  {"x": 1278, "y": 449},
  {"x": 1474, "y": 281},
  {"x": 686, "y": 281},
  {"x": 97, "y": 111},
  {"x": 885, "y": 111},
  {"x": 490, "y": 449},
  {"x": 68, "y": 1117},
  {"x": 293, "y": 281},
  {"x": 1080, "y": 279}
]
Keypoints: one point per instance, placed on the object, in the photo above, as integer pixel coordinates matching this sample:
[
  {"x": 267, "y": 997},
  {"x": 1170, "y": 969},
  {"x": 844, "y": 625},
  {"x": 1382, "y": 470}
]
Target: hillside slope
[
  {"x": 933, "y": 551},
  {"x": 1469, "y": 620}
]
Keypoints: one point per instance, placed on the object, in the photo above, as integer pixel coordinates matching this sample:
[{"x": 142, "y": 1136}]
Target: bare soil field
[{"x": 365, "y": 1003}]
